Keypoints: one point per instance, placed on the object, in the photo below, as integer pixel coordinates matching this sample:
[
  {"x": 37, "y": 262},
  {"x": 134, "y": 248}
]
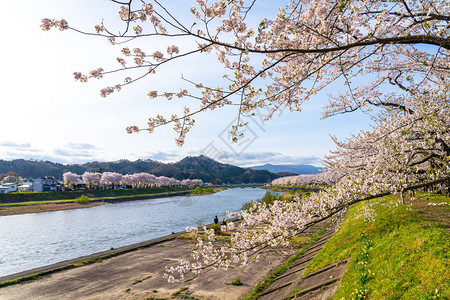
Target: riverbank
[
  {"x": 201, "y": 191},
  {"x": 138, "y": 274},
  {"x": 38, "y": 208},
  {"x": 17, "y": 208}
]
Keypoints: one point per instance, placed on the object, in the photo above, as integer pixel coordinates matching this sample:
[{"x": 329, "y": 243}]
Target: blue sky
[{"x": 46, "y": 115}]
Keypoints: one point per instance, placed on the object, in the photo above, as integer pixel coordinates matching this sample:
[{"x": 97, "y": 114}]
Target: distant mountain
[
  {"x": 199, "y": 167},
  {"x": 293, "y": 169},
  {"x": 207, "y": 169}
]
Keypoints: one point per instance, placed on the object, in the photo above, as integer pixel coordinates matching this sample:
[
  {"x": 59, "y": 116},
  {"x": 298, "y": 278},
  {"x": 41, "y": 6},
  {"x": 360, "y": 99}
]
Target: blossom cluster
[
  {"x": 114, "y": 180},
  {"x": 47, "y": 24},
  {"x": 326, "y": 177}
]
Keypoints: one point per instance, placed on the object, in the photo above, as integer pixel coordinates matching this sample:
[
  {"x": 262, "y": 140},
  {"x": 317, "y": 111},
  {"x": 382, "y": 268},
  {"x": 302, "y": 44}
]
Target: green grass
[
  {"x": 409, "y": 256},
  {"x": 36, "y": 202},
  {"x": 178, "y": 294},
  {"x": 22, "y": 279},
  {"x": 237, "y": 281},
  {"x": 140, "y": 280},
  {"x": 204, "y": 190},
  {"x": 190, "y": 279},
  {"x": 268, "y": 198},
  {"x": 266, "y": 282}
]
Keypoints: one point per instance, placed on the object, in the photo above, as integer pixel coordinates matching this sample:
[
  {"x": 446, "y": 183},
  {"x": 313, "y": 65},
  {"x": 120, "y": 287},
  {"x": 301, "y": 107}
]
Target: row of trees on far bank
[
  {"x": 113, "y": 180},
  {"x": 327, "y": 177}
]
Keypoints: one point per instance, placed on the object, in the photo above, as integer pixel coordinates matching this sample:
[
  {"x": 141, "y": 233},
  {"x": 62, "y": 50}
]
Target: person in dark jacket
[{"x": 216, "y": 220}]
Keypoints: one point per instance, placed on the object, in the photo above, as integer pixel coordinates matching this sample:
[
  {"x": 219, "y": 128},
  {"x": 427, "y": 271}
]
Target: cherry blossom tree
[
  {"x": 404, "y": 148},
  {"x": 92, "y": 180},
  {"x": 111, "y": 179},
  {"x": 70, "y": 179},
  {"x": 127, "y": 180},
  {"x": 327, "y": 177},
  {"x": 144, "y": 180},
  {"x": 191, "y": 182},
  {"x": 389, "y": 56}
]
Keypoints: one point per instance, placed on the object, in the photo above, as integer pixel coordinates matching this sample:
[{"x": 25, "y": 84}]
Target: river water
[{"x": 34, "y": 240}]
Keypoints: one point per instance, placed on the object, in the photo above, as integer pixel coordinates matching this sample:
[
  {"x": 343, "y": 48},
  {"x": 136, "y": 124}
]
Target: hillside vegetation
[{"x": 402, "y": 254}]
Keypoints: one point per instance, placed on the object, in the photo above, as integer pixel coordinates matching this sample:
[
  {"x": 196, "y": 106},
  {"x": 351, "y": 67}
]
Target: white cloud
[
  {"x": 163, "y": 156},
  {"x": 15, "y": 145},
  {"x": 81, "y": 146}
]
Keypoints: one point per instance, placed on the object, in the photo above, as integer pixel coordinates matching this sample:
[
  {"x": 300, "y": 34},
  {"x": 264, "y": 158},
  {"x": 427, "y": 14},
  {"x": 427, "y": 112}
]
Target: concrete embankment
[{"x": 84, "y": 260}]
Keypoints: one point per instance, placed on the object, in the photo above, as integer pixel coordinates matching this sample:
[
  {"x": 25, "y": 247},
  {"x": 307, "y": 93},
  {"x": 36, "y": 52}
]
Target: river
[{"x": 34, "y": 240}]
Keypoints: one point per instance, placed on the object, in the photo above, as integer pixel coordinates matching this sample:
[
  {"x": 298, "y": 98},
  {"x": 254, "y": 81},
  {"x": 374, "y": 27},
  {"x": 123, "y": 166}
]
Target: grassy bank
[
  {"x": 206, "y": 190},
  {"x": 403, "y": 254},
  {"x": 99, "y": 194}
]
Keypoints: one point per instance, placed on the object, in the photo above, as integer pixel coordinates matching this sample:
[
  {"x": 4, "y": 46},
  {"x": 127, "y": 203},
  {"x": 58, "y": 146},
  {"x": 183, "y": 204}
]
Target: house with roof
[
  {"x": 25, "y": 187},
  {"x": 45, "y": 184},
  {"x": 8, "y": 188}
]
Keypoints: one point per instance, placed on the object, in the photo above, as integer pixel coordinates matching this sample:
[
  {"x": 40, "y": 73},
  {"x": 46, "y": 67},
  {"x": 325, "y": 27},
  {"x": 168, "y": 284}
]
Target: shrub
[
  {"x": 237, "y": 281},
  {"x": 269, "y": 198},
  {"x": 216, "y": 228},
  {"x": 247, "y": 205},
  {"x": 83, "y": 199},
  {"x": 199, "y": 190}
]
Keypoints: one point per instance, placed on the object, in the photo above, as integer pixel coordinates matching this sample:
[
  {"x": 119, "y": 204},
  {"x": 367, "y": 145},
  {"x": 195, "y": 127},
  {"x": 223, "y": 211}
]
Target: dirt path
[
  {"x": 433, "y": 209},
  {"x": 37, "y": 208}
]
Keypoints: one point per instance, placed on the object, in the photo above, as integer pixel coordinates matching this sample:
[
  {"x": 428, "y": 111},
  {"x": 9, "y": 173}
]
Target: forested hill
[
  {"x": 199, "y": 167},
  {"x": 207, "y": 169}
]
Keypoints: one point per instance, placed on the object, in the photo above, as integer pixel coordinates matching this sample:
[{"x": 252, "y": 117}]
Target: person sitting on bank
[
  {"x": 224, "y": 222},
  {"x": 216, "y": 220}
]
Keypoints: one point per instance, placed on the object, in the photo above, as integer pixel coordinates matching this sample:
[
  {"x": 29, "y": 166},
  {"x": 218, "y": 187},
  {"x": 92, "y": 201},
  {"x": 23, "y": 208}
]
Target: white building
[
  {"x": 8, "y": 188},
  {"x": 45, "y": 184},
  {"x": 25, "y": 187}
]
